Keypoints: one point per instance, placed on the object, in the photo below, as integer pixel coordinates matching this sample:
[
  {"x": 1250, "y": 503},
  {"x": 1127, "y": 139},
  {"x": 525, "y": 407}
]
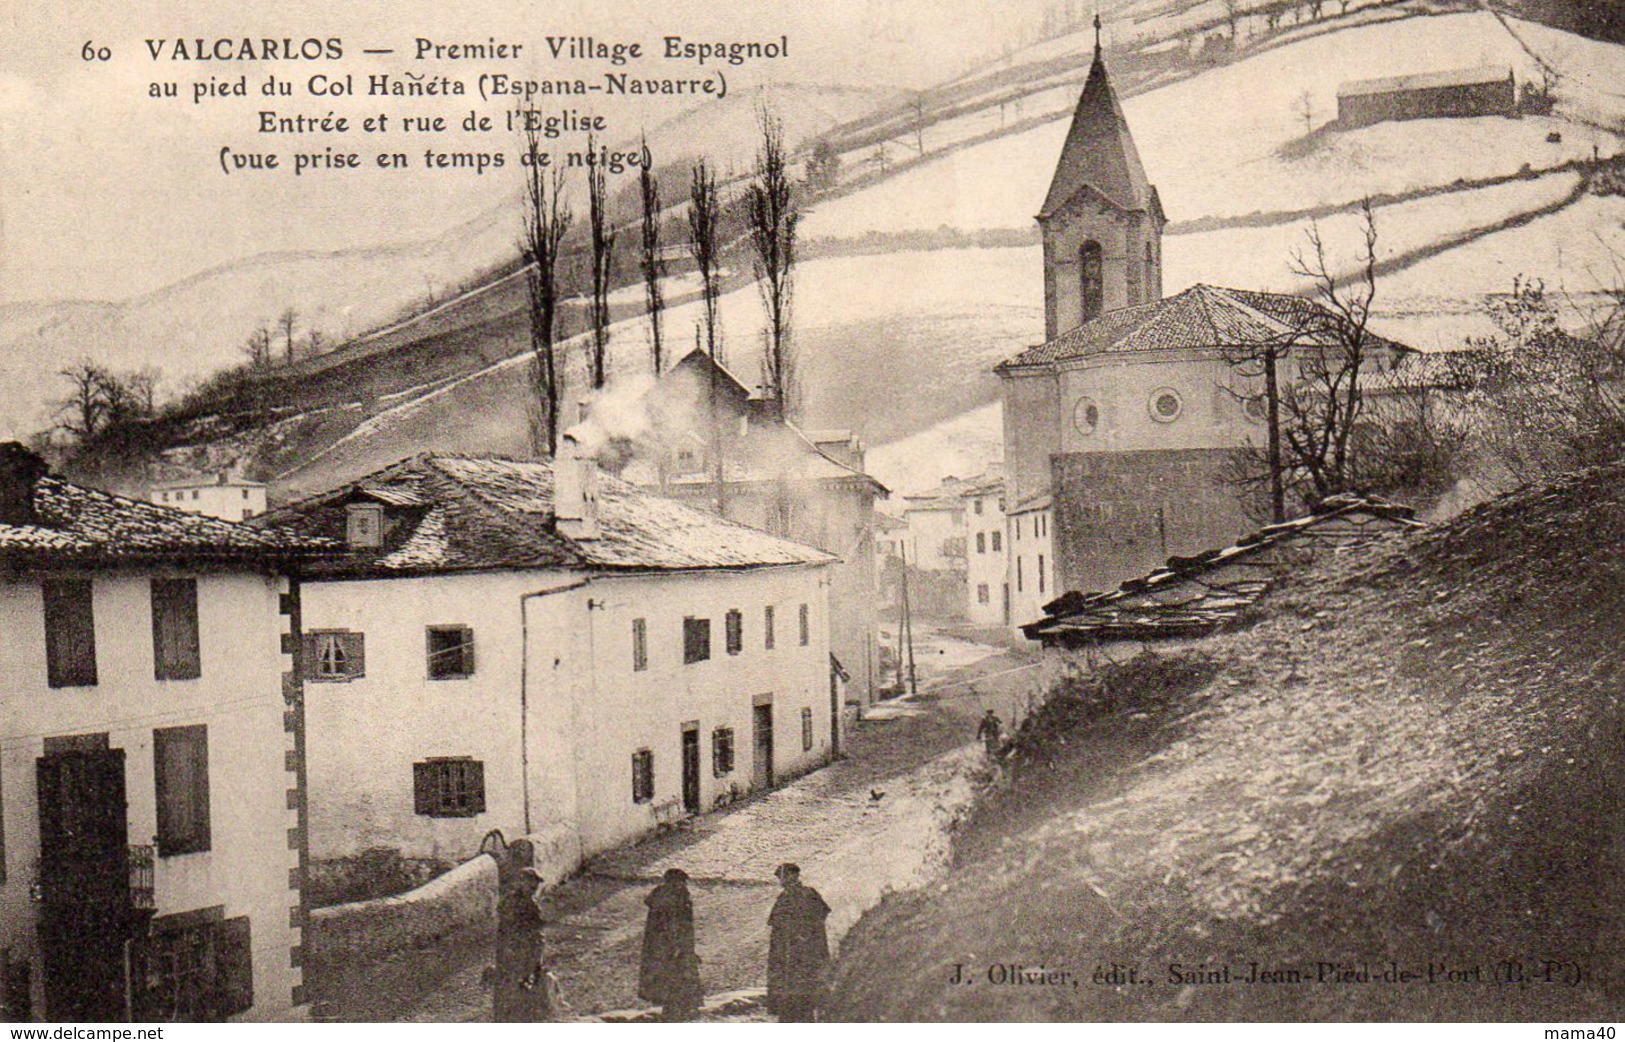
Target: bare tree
[
  {"x": 653, "y": 267},
  {"x": 258, "y": 349},
  {"x": 603, "y": 266},
  {"x": 917, "y": 105},
  {"x": 315, "y": 342},
  {"x": 1305, "y": 109},
  {"x": 288, "y": 322},
  {"x": 547, "y": 219},
  {"x": 772, "y": 214},
  {"x": 704, "y": 213},
  {"x": 82, "y": 412}
]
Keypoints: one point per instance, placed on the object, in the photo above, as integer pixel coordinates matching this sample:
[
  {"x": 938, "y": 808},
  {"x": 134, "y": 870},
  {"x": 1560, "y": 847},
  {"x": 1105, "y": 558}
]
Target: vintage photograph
[{"x": 769, "y": 511}]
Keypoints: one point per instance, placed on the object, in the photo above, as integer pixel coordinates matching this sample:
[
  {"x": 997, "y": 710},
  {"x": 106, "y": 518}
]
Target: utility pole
[{"x": 906, "y": 630}]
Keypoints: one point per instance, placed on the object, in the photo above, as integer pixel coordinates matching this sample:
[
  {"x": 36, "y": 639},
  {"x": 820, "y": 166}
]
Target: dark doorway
[
  {"x": 762, "y": 766},
  {"x": 691, "y": 768},
  {"x": 84, "y": 876}
]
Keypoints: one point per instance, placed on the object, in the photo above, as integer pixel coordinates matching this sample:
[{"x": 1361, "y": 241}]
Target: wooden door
[
  {"x": 762, "y": 765},
  {"x": 691, "y": 770},
  {"x": 85, "y": 882}
]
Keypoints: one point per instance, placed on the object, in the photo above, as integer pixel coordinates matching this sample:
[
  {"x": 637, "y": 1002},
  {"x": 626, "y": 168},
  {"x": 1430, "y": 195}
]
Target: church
[{"x": 1121, "y": 429}]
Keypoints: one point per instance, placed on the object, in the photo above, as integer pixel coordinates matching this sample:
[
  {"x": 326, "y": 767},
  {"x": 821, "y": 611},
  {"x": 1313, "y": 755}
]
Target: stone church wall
[{"x": 1121, "y": 514}]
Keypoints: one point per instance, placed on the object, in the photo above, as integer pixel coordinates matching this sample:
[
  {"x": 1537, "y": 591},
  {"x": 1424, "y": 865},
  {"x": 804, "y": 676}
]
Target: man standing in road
[
  {"x": 990, "y": 730},
  {"x": 670, "y": 971},
  {"x": 798, "y": 949}
]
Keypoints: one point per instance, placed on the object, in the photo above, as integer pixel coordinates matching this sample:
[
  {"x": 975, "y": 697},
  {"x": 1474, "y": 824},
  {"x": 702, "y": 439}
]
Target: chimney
[
  {"x": 575, "y": 492},
  {"x": 20, "y": 469}
]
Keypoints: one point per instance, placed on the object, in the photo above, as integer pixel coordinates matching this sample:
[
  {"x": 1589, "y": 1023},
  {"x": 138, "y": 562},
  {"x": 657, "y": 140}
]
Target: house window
[
  {"x": 981, "y": 542},
  {"x": 448, "y": 787},
  {"x": 175, "y": 652},
  {"x": 451, "y": 652},
  {"x": 978, "y": 508},
  {"x": 981, "y": 593},
  {"x": 805, "y": 621},
  {"x": 245, "y": 493},
  {"x": 70, "y": 633},
  {"x": 335, "y": 655},
  {"x": 998, "y": 542},
  {"x": 734, "y": 631},
  {"x": 640, "y": 645},
  {"x": 1040, "y": 573},
  {"x": 1020, "y": 585},
  {"x": 806, "y": 729},
  {"x": 767, "y": 627},
  {"x": 180, "y": 769},
  {"x": 643, "y": 776},
  {"x": 364, "y": 524},
  {"x": 696, "y": 640},
  {"x": 193, "y": 966},
  {"x": 722, "y": 751}
]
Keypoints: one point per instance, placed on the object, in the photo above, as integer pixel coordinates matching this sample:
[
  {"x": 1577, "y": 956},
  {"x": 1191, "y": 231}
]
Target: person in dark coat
[
  {"x": 990, "y": 731},
  {"x": 520, "y": 994},
  {"x": 797, "y": 950},
  {"x": 670, "y": 972}
]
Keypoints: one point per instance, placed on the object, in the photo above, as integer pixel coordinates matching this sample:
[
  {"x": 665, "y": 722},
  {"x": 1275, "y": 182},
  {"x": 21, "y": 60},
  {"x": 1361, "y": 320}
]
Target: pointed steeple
[{"x": 1099, "y": 152}]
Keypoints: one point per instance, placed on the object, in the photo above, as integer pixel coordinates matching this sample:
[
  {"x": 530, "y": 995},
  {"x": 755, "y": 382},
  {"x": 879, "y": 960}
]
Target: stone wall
[{"x": 1118, "y": 515}]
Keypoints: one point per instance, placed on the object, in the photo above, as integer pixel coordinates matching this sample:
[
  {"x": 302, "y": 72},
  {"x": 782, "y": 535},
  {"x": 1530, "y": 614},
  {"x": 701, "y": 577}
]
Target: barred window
[
  {"x": 1040, "y": 573},
  {"x": 451, "y": 652},
  {"x": 448, "y": 787},
  {"x": 643, "y": 776},
  {"x": 722, "y": 751},
  {"x": 806, "y": 729},
  {"x": 734, "y": 631}
]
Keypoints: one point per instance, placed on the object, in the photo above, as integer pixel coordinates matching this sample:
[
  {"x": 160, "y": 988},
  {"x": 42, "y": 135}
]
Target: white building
[
  {"x": 1031, "y": 575},
  {"x": 578, "y": 664},
  {"x": 231, "y": 500},
  {"x": 150, "y": 745},
  {"x": 987, "y": 601}
]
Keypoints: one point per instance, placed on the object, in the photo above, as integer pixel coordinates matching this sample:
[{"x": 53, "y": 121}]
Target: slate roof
[
  {"x": 1192, "y": 596},
  {"x": 463, "y": 513},
  {"x": 1426, "y": 80},
  {"x": 1201, "y": 318},
  {"x": 79, "y": 525},
  {"x": 1099, "y": 153}
]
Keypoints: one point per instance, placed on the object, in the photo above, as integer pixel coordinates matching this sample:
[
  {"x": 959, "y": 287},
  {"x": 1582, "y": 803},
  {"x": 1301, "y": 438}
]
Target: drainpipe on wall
[{"x": 524, "y": 688}]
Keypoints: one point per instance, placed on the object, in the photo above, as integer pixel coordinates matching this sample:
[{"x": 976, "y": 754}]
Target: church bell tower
[{"x": 1101, "y": 222}]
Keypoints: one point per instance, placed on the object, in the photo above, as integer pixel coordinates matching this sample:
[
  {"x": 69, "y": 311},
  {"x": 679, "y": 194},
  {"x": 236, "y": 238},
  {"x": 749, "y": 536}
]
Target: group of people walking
[
  {"x": 797, "y": 949},
  {"x": 669, "y": 972}
]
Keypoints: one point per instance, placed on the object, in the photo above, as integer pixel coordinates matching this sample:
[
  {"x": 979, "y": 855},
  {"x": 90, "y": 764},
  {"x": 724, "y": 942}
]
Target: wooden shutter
[
  {"x": 355, "y": 653},
  {"x": 468, "y": 651},
  {"x": 424, "y": 790},
  {"x": 175, "y": 630},
  {"x": 474, "y": 779},
  {"x": 234, "y": 966},
  {"x": 70, "y": 632},
  {"x": 181, "y": 772}
]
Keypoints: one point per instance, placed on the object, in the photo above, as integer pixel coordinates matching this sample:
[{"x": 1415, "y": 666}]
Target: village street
[{"x": 868, "y": 823}]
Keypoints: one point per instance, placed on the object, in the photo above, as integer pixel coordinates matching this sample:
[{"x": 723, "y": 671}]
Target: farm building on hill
[
  {"x": 536, "y": 648},
  {"x": 1452, "y": 94}
]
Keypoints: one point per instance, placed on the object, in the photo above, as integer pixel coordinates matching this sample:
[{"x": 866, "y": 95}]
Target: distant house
[
  {"x": 956, "y": 549},
  {"x": 151, "y": 760},
  {"x": 544, "y": 650},
  {"x": 1193, "y": 596},
  {"x": 1030, "y": 578},
  {"x": 805, "y": 485},
  {"x": 1454, "y": 93},
  {"x": 231, "y": 500}
]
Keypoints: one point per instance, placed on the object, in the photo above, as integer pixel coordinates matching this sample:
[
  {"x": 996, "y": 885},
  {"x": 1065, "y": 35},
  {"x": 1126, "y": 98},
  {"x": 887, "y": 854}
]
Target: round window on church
[
  {"x": 1165, "y": 405},
  {"x": 1086, "y": 416}
]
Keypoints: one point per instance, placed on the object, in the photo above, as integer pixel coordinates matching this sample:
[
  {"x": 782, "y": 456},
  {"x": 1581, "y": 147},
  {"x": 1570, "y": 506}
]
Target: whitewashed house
[
  {"x": 224, "y": 497},
  {"x": 548, "y": 652},
  {"x": 151, "y": 784},
  {"x": 1031, "y": 575}
]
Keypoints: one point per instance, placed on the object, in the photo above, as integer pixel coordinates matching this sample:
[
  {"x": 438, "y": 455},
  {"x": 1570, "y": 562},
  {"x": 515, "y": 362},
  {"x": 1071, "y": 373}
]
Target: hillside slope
[{"x": 1414, "y": 756}]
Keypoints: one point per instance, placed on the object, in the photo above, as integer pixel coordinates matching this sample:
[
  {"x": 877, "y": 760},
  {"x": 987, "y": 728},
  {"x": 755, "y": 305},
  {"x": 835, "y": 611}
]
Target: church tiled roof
[
  {"x": 1099, "y": 153},
  {"x": 1202, "y": 317},
  {"x": 460, "y": 513}
]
